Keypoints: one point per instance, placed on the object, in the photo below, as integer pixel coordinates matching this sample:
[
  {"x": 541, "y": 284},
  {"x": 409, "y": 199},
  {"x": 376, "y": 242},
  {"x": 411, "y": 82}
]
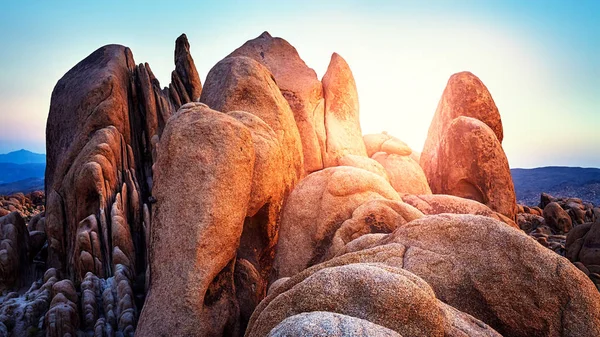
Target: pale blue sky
[{"x": 539, "y": 59}]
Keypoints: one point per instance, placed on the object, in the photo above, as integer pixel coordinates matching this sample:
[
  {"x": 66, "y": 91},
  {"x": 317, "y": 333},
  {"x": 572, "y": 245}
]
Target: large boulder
[
  {"x": 301, "y": 88},
  {"x": 557, "y": 218},
  {"x": 383, "y": 142},
  {"x": 386, "y": 296},
  {"x": 210, "y": 156},
  {"x": 431, "y": 204},
  {"x": 241, "y": 83},
  {"x": 406, "y": 176},
  {"x": 323, "y": 323},
  {"x": 15, "y": 265},
  {"x": 516, "y": 286},
  {"x": 342, "y": 124},
  {"x": 470, "y": 163},
  {"x": 317, "y": 208},
  {"x": 374, "y": 216},
  {"x": 464, "y": 95}
]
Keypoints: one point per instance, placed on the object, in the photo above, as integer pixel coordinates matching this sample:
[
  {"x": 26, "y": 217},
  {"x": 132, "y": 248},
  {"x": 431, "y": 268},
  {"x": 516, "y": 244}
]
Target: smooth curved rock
[
  {"x": 470, "y": 163},
  {"x": 406, "y": 176},
  {"x": 342, "y": 124},
  {"x": 464, "y": 95},
  {"x": 383, "y": 142},
  {"x": 556, "y": 218},
  {"x": 431, "y": 204},
  {"x": 364, "y": 163},
  {"x": 374, "y": 216},
  {"x": 301, "y": 88},
  {"x": 209, "y": 155},
  {"x": 241, "y": 83},
  {"x": 323, "y": 324},
  {"x": 518, "y": 287},
  {"x": 317, "y": 208}
]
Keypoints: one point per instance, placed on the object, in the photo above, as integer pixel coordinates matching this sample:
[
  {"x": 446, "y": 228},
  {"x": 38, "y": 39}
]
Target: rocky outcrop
[
  {"x": 241, "y": 83},
  {"x": 466, "y": 141},
  {"x": 386, "y": 297},
  {"x": 432, "y": 204},
  {"x": 466, "y": 129},
  {"x": 106, "y": 117},
  {"x": 342, "y": 125},
  {"x": 209, "y": 155},
  {"x": 317, "y": 208},
  {"x": 581, "y": 247},
  {"x": 464, "y": 95},
  {"x": 556, "y": 218},
  {"x": 444, "y": 251},
  {"x": 301, "y": 88},
  {"x": 28, "y": 205},
  {"x": 165, "y": 216},
  {"x": 406, "y": 176},
  {"x": 15, "y": 256}
]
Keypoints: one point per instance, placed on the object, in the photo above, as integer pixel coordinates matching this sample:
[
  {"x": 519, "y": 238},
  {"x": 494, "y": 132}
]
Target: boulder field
[{"x": 252, "y": 205}]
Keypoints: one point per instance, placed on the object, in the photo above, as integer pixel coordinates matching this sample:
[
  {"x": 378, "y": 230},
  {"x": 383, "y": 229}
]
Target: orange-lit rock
[
  {"x": 342, "y": 125},
  {"x": 300, "y": 87},
  {"x": 193, "y": 240},
  {"x": 317, "y": 208},
  {"x": 243, "y": 84},
  {"x": 406, "y": 176},
  {"x": 470, "y": 163}
]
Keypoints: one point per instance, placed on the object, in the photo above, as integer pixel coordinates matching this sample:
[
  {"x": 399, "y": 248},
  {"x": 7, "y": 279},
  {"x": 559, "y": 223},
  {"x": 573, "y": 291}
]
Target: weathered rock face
[
  {"x": 209, "y": 155},
  {"x": 389, "y": 298},
  {"x": 466, "y": 141},
  {"x": 241, "y": 83},
  {"x": 467, "y": 129},
  {"x": 364, "y": 163},
  {"x": 256, "y": 249},
  {"x": 317, "y": 208},
  {"x": 323, "y": 323},
  {"x": 444, "y": 250},
  {"x": 375, "y": 216},
  {"x": 15, "y": 262},
  {"x": 581, "y": 247},
  {"x": 406, "y": 176},
  {"x": 383, "y": 142},
  {"x": 301, "y": 88},
  {"x": 342, "y": 125},
  {"x": 464, "y": 95},
  {"x": 106, "y": 116},
  {"x": 557, "y": 218},
  {"x": 432, "y": 204}
]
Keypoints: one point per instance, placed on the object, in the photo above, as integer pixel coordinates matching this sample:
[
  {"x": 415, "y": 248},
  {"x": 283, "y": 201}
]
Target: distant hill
[
  {"x": 23, "y": 157},
  {"x": 583, "y": 183},
  {"x": 24, "y": 186},
  {"x": 10, "y": 172}
]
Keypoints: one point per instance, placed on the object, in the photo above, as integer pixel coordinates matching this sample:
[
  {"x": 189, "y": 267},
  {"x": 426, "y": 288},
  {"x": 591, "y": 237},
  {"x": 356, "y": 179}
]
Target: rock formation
[
  {"x": 342, "y": 125},
  {"x": 466, "y": 141},
  {"x": 317, "y": 208},
  {"x": 254, "y": 206},
  {"x": 301, "y": 88},
  {"x": 241, "y": 83},
  {"x": 466, "y": 129},
  {"x": 199, "y": 150}
]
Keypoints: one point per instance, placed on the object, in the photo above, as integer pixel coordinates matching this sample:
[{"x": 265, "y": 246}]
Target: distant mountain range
[
  {"x": 21, "y": 171},
  {"x": 583, "y": 183},
  {"x": 23, "y": 157}
]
